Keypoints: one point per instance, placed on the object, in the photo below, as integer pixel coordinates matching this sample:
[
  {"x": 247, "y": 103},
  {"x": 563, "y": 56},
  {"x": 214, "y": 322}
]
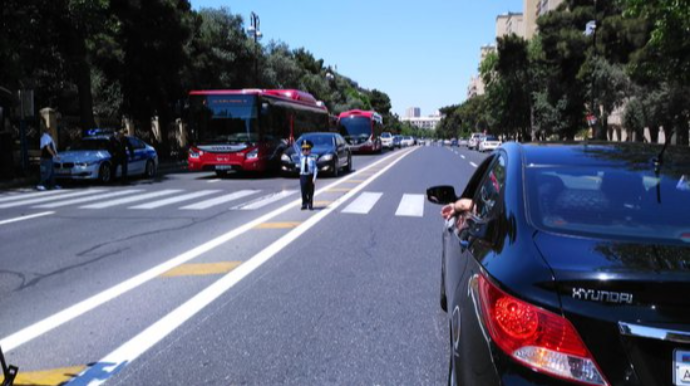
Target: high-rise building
[
  {"x": 510, "y": 23},
  {"x": 413, "y": 112},
  {"x": 535, "y": 8}
]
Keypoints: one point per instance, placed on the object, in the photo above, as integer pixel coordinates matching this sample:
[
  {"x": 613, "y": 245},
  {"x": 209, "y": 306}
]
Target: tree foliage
[{"x": 139, "y": 59}]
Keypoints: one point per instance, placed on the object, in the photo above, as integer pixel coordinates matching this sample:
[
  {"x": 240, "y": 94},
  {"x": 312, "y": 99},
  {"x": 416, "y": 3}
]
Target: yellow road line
[
  {"x": 354, "y": 181},
  {"x": 333, "y": 190},
  {"x": 322, "y": 203},
  {"x": 277, "y": 225},
  {"x": 52, "y": 377},
  {"x": 202, "y": 269}
]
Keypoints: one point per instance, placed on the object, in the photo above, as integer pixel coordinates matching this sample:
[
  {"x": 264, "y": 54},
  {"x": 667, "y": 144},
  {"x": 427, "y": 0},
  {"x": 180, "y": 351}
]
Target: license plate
[
  {"x": 681, "y": 367},
  {"x": 223, "y": 167}
]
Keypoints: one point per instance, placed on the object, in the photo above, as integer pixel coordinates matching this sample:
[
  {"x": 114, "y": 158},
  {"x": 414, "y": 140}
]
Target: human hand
[{"x": 447, "y": 211}]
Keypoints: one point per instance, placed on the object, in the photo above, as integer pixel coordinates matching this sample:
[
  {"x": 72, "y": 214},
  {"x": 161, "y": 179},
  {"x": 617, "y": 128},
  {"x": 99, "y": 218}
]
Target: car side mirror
[{"x": 441, "y": 195}]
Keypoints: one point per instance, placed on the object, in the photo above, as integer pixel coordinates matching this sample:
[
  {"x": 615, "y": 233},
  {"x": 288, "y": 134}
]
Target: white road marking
[
  {"x": 411, "y": 205},
  {"x": 265, "y": 200},
  {"x": 117, "y": 360},
  {"x": 89, "y": 199},
  {"x": 31, "y": 195},
  {"x": 220, "y": 200},
  {"x": 363, "y": 203},
  {"x": 174, "y": 200},
  {"x": 22, "y": 218},
  {"x": 43, "y": 326},
  {"x": 127, "y": 200},
  {"x": 213, "y": 181},
  {"x": 473, "y": 164},
  {"x": 50, "y": 198},
  {"x": 463, "y": 157}
]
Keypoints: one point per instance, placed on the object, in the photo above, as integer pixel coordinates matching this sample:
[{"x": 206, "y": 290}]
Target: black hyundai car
[
  {"x": 573, "y": 267},
  {"x": 330, "y": 149}
]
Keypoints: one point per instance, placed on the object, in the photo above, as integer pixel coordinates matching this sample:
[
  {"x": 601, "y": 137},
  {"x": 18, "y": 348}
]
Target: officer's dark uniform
[
  {"x": 307, "y": 175},
  {"x": 118, "y": 148}
]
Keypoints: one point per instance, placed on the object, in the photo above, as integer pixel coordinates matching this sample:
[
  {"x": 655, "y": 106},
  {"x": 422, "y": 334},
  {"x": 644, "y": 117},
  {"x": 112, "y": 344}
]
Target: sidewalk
[{"x": 164, "y": 167}]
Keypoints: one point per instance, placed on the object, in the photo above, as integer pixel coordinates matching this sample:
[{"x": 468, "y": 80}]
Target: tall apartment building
[
  {"x": 413, "y": 112},
  {"x": 510, "y": 23},
  {"x": 533, "y": 9}
]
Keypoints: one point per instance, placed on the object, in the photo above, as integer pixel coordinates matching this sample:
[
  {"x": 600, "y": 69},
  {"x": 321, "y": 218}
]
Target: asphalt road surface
[{"x": 190, "y": 279}]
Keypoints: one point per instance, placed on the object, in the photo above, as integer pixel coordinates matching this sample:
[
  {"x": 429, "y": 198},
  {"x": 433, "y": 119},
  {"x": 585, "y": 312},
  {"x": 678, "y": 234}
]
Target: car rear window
[{"x": 610, "y": 202}]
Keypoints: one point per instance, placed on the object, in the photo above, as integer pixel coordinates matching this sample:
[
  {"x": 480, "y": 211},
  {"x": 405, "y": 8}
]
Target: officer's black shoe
[
  {"x": 304, "y": 207},
  {"x": 311, "y": 207}
]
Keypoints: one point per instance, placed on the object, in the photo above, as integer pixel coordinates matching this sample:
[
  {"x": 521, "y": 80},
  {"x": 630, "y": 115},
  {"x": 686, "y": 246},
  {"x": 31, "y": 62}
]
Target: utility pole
[{"x": 255, "y": 31}]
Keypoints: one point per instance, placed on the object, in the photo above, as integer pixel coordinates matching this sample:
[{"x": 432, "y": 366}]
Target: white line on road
[
  {"x": 89, "y": 199},
  {"x": 411, "y": 205},
  {"x": 123, "y": 356},
  {"x": 463, "y": 157},
  {"x": 265, "y": 200},
  {"x": 31, "y": 195},
  {"x": 43, "y": 326},
  {"x": 174, "y": 200},
  {"x": 473, "y": 164},
  {"x": 128, "y": 200},
  {"x": 50, "y": 198},
  {"x": 22, "y": 218},
  {"x": 363, "y": 203},
  {"x": 220, "y": 200},
  {"x": 213, "y": 181}
]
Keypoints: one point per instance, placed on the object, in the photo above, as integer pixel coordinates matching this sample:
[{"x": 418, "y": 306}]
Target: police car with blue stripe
[{"x": 91, "y": 158}]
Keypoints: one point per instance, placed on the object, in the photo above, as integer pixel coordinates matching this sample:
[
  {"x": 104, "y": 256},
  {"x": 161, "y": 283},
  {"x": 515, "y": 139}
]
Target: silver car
[{"x": 90, "y": 159}]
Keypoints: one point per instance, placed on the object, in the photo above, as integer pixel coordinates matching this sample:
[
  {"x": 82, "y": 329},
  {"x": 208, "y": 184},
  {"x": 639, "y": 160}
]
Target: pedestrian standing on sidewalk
[
  {"x": 307, "y": 175},
  {"x": 48, "y": 155}
]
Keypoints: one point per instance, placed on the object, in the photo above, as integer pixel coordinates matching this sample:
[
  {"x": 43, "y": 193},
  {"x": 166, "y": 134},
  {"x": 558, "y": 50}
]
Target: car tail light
[{"x": 537, "y": 338}]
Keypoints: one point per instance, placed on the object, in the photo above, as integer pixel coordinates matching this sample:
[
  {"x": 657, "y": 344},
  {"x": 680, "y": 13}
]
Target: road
[{"x": 191, "y": 279}]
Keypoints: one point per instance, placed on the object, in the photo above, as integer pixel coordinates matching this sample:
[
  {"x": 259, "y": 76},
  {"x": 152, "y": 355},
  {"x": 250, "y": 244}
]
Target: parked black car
[
  {"x": 573, "y": 267},
  {"x": 332, "y": 152}
]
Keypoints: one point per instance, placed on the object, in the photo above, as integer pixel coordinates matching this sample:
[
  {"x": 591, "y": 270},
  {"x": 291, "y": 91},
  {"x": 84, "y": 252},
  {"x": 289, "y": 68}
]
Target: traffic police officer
[{"x": 307, "y": 175}]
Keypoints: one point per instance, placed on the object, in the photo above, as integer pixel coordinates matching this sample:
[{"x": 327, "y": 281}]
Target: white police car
[{"x": 90, "y": 159}]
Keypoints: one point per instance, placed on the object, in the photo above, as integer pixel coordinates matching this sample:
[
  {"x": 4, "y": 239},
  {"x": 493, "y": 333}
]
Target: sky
[{"x": 421, "y": 53}]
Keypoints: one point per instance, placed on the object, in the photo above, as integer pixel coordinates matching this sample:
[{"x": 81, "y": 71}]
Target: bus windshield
[
  {"x": 225, "y": 118},
  {"x": 355, "y": 128}
]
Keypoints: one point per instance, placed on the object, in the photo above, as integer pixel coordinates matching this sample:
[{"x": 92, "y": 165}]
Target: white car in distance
[
  {"x": 473, "y": 142},
  {"x": 407, "y": 141},
  {"x": 387, "y": 140},
  {"x": 488, "y": 143}
]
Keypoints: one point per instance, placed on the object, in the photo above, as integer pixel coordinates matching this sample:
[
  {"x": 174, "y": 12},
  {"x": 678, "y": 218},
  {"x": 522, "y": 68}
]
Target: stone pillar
[
  {"x": 49, "y": 120},
  {"x": 181, "y": 133},
  {"x": 156, "y": 129},
  {"x": 128, "y": 125}
]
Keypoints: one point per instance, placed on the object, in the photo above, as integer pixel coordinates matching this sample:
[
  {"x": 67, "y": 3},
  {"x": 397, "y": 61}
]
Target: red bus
[
  {"x": 362, "y": 130},
  {"x": 247, "y": 130}
]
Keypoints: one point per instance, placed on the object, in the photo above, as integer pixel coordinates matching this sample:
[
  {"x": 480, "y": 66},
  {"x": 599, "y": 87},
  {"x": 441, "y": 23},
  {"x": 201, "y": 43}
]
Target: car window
[
  {"x": 490, "y": 190},
  {"x": 599, "y": 200},
  {"x": 136, "y": 143}
]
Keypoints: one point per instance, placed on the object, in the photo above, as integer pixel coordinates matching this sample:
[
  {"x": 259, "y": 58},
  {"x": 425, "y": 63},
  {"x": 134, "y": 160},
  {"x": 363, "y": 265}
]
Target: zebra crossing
[{"x": 410, "y": 205}]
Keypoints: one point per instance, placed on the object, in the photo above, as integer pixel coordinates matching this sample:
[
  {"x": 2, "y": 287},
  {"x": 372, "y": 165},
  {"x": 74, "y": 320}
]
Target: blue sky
[{"x": 421, "y": 53}]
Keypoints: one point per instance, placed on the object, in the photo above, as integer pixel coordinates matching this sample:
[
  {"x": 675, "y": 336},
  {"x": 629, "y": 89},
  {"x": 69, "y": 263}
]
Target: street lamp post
[
  {"x": 255, "y": 31},
  {"x": 591, "y": 29}
]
